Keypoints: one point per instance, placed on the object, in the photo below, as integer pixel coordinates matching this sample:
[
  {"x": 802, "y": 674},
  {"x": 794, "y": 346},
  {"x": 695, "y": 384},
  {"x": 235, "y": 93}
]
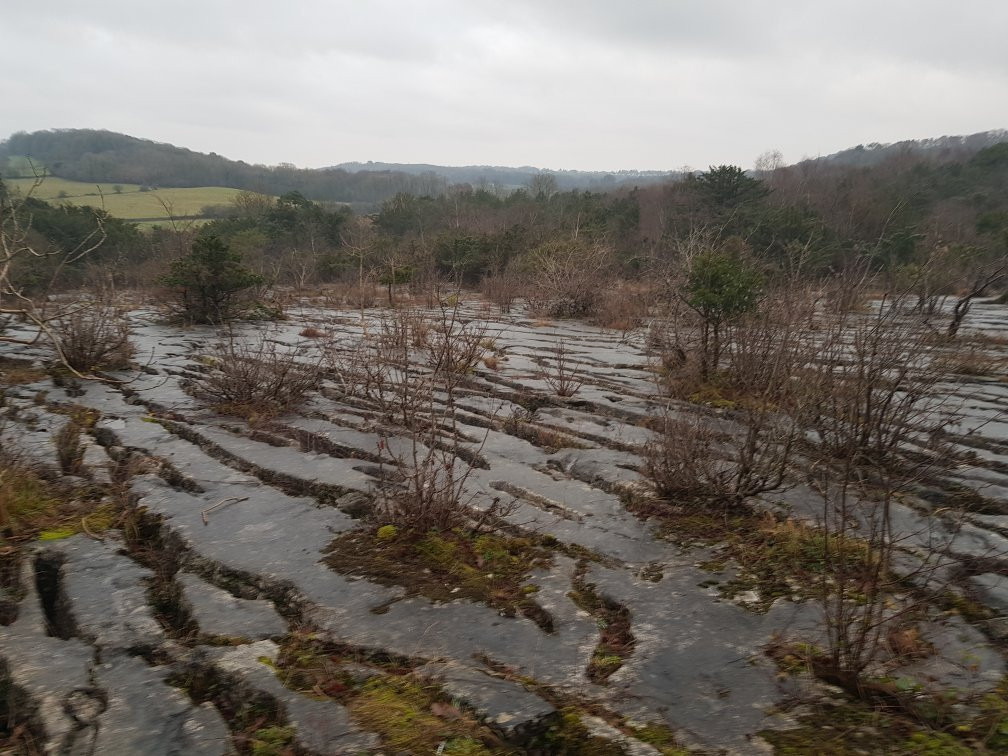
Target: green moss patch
[
  {"x": 776, "y": 557},
  {"x": 408, "y": 715},
  {"x": 271, "y": 741},
  {"x": 848, "y": 727},
  {"x": 402, "y": 713},
  {"x": 616, "y": 641},
  {"x": 570, "y": 736},
  {"x": 491, "y": 569}
]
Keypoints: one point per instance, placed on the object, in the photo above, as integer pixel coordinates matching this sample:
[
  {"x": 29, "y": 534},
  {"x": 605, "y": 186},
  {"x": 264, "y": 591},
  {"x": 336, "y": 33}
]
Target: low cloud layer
[{"x": 561, "y": 84}]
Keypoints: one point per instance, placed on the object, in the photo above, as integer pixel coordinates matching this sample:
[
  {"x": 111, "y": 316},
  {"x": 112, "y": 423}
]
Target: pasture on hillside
[{"x": 130, "y": 202}]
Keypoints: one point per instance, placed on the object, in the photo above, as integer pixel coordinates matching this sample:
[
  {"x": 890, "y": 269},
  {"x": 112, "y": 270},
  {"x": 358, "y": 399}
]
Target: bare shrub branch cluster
[{"x": 258, "y": 377}]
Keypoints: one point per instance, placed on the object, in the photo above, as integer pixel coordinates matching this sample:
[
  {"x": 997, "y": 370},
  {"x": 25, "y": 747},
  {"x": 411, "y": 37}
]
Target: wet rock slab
[
  {"x": 321, "y": 727},
  {"x": 44, "y": 671},
  {"x": 220, "y": 614},
  {"x": 106, "y": 594},
  {"x": 992, "y": 589},
  {"x": 147, "y": 716},
  {"x": 80, "y": 706},
  {"x": 504, "y": 705},
  {"x": 697, "y": 665}
]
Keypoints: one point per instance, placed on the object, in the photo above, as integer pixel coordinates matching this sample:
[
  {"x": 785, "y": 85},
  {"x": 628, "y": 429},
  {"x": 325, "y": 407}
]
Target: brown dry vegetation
[{"x": 256, "y": 380}]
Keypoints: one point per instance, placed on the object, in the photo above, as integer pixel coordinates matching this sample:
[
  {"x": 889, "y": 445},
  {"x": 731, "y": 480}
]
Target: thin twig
[{"x": 231, "y": 500}]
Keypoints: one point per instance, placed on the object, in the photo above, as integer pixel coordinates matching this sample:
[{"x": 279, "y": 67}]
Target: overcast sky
[{"x": 591, "y": 84}]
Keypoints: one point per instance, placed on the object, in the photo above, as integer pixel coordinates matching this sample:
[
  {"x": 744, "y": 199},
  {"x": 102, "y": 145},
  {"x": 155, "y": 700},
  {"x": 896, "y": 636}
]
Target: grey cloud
[{"x": 589, "y": 84}]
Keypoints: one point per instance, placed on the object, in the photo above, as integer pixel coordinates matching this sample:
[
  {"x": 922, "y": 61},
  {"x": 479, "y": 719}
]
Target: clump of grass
[
  {"x": 446, "y": 566},
  {"x": 310, "y": 332},
  {"x": 69, "y": 449},
  {"x": 521, "y": 424},
  {"x": 847, "y": 725},
  {"x": 271, "y": 741},
  {"x": 971, "y": 361},
  {"x": 15, "y": 372},
  {"x": 32, "y": 507},
  {"x": 399, "y": 710},
  {"x": 661, "y": 737},
  {"x": 570, "y": 736},
  {"x": 27, "y": 503}
]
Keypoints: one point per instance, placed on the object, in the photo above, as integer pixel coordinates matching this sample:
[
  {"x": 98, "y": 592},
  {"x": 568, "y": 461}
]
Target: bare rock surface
[
  {"x": 993, "y": 589},
  {"x": 145, "y": 715},
  {"x": 220, "y": 614},
  {"x": 105, "y": 593},
  {"x": 700, "y": 663},
  {"x": 44, "y": 671},
  {"x": 81, "y": 705}
]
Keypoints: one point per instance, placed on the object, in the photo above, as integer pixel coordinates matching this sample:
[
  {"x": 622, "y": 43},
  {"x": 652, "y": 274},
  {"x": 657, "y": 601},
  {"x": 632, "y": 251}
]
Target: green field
[{"x": 129, "y": 203}]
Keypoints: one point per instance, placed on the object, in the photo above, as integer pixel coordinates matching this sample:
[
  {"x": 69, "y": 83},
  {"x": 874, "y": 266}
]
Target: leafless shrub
[
  {"x": 621, "y": 308},
  {"x": 849, "y": 290},
  {"x": 455, "y": 346},
  {"x": 685, "y": 462},
  {"x": 405, "y": 327},
  {"x": 395, "y": 328},
  {"x": 30, "y": 267},
  {"x": 753, "y": 451},
  {"x": 875, "y": 432},
  {"x": 747, "y": 455},
  {"x": 69, "y": 449},
  {"x": 360, "y": 296},
  {"x": 566, "y": 279},
  {"x": 428, "y": 490},
  {"x": 94, "y": 336},
  {"x": 560, "y": 376},
  {"x": 502, "y": 288},
  {"x": 426, "y": 459},
  {"x": 258, "y": 379}
]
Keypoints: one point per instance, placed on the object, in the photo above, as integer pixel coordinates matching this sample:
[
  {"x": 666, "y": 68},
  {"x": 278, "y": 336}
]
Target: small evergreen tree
[
  {"x": 720, "y": 288},
  {"x": 209, "y": 281}
]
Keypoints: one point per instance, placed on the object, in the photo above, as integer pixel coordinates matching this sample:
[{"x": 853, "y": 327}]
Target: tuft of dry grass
[
  {"x": 69, "y": 449},
  {"x": 970, "y": 361},
  {"x": 14, "y": 372}
]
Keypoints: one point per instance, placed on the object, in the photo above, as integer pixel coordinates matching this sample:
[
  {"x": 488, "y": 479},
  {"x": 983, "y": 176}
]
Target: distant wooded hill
[
  {"x": 489, "y": 176},
  {"x": 106, "y": 157},
  {"x": 939, "y": 149}
]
